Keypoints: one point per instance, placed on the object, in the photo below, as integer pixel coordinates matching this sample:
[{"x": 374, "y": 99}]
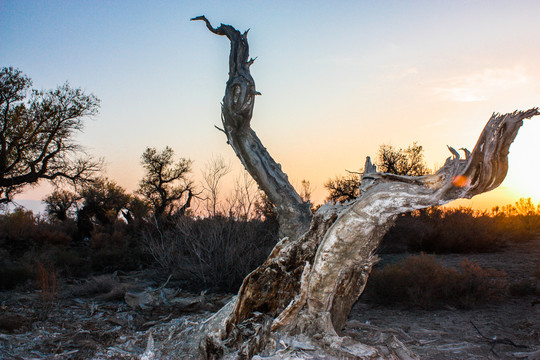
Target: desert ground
[{"x": 135, "y": 316}]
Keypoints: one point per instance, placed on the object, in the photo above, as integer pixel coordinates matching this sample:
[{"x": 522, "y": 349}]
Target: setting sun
[{"x": 524, "y": 171}]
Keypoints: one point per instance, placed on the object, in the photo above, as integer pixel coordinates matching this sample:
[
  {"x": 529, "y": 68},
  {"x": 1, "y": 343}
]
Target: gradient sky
[{"x": 338, "y": 78}]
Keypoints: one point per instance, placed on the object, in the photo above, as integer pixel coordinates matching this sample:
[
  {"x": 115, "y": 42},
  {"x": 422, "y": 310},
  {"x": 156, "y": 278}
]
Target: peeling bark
[
  {"x": 318, "y": 270},
  {"x": 237, "y": 109}
]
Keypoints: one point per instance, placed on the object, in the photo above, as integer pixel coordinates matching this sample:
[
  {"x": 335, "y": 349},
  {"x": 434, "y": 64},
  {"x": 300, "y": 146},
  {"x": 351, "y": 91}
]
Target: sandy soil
[{"x": 111, "y": 326}]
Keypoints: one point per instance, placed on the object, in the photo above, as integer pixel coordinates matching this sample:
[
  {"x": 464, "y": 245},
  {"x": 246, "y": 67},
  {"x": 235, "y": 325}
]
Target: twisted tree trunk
[{"x": 318, "y": 270}]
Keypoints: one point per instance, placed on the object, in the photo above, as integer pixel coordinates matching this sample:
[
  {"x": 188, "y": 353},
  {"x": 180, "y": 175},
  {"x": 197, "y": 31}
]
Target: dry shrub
[
  {"x": 17, "y": 224},
  {"x": 520, "y": 221},
  {"x": 115, "y": 249},
  {"x": 100, "y": 240},
  {"x": 55, "y": 233},
  {"x": 458, "y": 230},
  {"x": 115, "y": 237},
  {"x": 14, "y": 273},
  {"x": 71, "y": 262},
  {"x": 55, "y": 237},
  {"x": 110, "y": 259},
  {"x": 524, "y": 287},
  {"x": 215, "y": 253},
  {"x": 104, "y": 287},
  {"x": 423, "y": 282},
  {"x": 21, "y": 232},
  {"x": 16, "y": 230},
  {"x": 25, "y": 240},
  {"x": 517, "y": 228}
]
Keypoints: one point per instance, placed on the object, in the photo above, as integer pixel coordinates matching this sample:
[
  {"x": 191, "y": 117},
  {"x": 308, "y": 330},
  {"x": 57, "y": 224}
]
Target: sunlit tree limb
[
  {"x": 237, "y": 110},
  {"x": 314, "y": 275}
]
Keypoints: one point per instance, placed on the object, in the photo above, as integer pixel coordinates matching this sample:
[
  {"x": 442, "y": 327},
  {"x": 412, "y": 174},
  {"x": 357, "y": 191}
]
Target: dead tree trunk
[{"x": 318, "y": 270}]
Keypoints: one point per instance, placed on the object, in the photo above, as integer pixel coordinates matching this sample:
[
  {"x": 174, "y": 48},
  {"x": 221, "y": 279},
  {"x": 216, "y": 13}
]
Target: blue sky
[{"x": 338, "y": 78}]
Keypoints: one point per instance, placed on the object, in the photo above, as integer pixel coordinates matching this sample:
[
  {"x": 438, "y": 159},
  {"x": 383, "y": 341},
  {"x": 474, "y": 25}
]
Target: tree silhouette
[
  {"x": 59, "y": 204},
  {"x": 165, "y": 181},
  {"x": 36, "y": 134},
  {"x": 344, "y": 188},
  {"x": 103, "y": 200},
  {"x": 409, "y": 161}
]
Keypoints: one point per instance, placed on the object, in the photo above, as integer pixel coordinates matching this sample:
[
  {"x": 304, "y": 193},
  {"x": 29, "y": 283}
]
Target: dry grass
[{"x": 46, "y": 279}]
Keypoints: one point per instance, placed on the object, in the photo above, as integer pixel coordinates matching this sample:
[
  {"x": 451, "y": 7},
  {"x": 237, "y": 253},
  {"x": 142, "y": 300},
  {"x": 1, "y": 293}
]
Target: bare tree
[
  {"x": 59, "y": 204},
  {"x": 213, "y": 175},
  {"x": 242, "y": 202},
  {"x": 165, "y": 181},
  {"x": 36, "y": 134},
  {"x": 308, "y": 284}
]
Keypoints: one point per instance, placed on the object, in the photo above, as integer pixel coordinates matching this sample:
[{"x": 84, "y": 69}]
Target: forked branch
[
  {"x": 346, "y": 254},
  {"x": 311, "y": 279}
]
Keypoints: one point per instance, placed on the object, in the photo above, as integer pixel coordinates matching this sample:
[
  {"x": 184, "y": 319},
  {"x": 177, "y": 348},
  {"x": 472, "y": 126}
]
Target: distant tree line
[{"x": 92, "y": 224}]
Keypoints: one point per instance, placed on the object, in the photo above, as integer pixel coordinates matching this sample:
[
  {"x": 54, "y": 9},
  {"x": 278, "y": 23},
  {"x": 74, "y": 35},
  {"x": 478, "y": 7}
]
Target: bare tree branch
[
  {"x": 294, "y": 215},
  {"x": 36, "y": 136},
  {"x": 312, "y": 278}
]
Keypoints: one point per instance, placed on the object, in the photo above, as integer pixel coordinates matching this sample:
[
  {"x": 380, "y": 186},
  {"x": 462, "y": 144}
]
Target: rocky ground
[{"x": 127, "y": 316}]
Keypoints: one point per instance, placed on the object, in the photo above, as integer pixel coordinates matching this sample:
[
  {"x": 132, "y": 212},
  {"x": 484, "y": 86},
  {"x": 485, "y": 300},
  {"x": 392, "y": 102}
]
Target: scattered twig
[
  {"x": 165, "y": 284},
  {"x": 496, "y": 341},
  {"x": 220, "y": 129}
]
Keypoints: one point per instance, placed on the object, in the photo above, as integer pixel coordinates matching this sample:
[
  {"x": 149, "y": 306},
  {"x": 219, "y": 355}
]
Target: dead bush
[
  {"x": 72, "y": 262},
  {"x": 421, "y": 281},
  {"x": 104, "y": 287},
  {"x": 110, "y": 259},
  {"x": 115, "y": 248},
  {"x": 215, "y": 253},
  {"x": 53, "y": 237},
  {"x": 16, "y": 230}
]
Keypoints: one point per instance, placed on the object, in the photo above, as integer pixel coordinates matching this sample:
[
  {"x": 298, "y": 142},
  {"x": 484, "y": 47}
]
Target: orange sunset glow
[{"x": 337, "y": 80}]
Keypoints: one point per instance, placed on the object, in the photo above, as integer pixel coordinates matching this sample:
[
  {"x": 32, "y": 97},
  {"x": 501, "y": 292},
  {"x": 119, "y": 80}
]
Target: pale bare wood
[
  {"x": 237, "y": 109},
  {"x": 313, "y": 276},
  {"x": 346, "y": 254}
]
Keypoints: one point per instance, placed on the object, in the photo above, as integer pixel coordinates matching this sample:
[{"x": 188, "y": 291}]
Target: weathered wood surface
[
  {"x": 318, "y": 270},
  {"x": 237, "y": 109}
]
